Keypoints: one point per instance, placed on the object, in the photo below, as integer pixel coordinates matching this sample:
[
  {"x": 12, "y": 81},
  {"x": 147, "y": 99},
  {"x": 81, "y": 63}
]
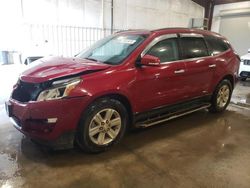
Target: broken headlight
[{"x": 59, "y": 89}]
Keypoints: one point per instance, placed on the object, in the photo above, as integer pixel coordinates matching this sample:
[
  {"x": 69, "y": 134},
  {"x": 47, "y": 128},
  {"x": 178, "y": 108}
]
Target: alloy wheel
[
  {"x": 104, "y": 126},
  {"x": 223, "y": 96}
]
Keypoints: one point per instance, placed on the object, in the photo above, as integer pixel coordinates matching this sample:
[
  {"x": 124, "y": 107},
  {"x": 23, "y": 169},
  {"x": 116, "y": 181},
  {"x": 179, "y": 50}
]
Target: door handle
[
  {"x": 179, "y": 71},
  {"x": 212, "y": 66},
  {"x": 156, "y": 76}
]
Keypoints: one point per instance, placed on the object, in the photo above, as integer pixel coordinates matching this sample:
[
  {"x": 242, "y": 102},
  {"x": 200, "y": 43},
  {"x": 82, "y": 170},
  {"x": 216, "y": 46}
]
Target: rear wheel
[
  {"x": 243, "y": 79},
  {"x": 221, "y": 96},
  {"x": 102, "y": 125}
]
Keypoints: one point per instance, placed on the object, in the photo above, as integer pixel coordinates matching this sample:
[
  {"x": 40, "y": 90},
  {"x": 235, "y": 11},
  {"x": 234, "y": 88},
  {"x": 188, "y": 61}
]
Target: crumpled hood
[{"x": 55, "y": 67}]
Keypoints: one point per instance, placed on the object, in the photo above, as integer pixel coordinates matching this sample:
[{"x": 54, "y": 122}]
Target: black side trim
[{"x": 142, "y": 116}]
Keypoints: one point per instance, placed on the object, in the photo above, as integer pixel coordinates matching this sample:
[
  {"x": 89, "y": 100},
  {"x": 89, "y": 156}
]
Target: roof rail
[
  {"x": 125, "y": 30},
  {"x": 169, "y": 28}
]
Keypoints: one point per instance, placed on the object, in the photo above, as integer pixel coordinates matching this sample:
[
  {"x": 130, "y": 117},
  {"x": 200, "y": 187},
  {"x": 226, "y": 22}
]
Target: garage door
[{"x": 237, "y": 30}]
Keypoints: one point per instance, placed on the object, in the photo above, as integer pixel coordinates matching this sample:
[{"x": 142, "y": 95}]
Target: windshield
[{"x": 113, "y": 49}]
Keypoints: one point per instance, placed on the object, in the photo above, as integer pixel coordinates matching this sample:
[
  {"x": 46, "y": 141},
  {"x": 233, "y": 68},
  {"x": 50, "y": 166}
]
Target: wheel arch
[
  {"x": 230, "y": 78},
  {"x": 121, "y": 98}
]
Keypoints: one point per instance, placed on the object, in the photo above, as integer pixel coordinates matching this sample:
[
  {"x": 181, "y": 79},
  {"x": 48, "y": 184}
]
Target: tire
[
  {"x": 219, "y": 101},
  {"x": 243, "y": 79},
  {"x": 103, "y": 119}
]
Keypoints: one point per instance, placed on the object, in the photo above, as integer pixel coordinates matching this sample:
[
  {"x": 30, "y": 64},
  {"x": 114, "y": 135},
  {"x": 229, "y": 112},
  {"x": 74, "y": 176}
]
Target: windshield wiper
[
  {"x": 108, "y": 62},
  {"x": 92, "y": 59},
  {"x": 105, "y": 62}
]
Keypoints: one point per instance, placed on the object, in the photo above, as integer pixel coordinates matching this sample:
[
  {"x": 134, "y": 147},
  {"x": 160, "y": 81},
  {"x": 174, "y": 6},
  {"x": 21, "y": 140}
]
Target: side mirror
[
  {"x": 248, "y": 50},
  {"x": 150, "y": 60}
]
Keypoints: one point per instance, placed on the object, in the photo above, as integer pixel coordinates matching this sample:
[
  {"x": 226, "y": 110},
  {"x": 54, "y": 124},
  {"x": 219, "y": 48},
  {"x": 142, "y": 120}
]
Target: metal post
[{"x": 112, "y": 15}]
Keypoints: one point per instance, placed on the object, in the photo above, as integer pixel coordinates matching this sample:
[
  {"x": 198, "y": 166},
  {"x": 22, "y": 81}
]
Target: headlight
[{"x": 59, "y": 89}]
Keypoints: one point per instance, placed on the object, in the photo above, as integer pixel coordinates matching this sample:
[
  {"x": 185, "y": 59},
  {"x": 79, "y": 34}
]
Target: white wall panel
[
  {"x": 155, "y": 14},
  {"x": 17, "y": 15},
  {"x": 218, "y": 8},
  {"x": 233, "y": 21},
  {"x": 127, "y": 13}
]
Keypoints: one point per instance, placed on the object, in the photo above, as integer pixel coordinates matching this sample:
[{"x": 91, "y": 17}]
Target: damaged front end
[
  {"x": 25, "y": 91},
  {"x": 49, "y": 90},
  {"x": 48, "y": 112}
]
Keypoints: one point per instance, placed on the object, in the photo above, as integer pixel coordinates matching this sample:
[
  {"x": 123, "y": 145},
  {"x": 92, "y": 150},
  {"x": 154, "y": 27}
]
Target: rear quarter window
[{"x": 216, "y": 45}]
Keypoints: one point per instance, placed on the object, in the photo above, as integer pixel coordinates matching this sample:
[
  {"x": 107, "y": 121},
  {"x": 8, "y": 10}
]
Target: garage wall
[
  {"x": 220, "y": 8},
  {"x": 237, "y": 30},
  {"x": 233, "y": 21},
  {"x": 155, "y": 14},
  {"x": 10, "y": 20},
  {"x": 26, "y": 24},
  {"x": 63, "y": 12},
  {"x": 93, "y": 13}
]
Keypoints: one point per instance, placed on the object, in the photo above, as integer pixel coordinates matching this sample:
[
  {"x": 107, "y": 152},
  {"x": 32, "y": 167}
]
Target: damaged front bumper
[{"x": 52, "y": 123}]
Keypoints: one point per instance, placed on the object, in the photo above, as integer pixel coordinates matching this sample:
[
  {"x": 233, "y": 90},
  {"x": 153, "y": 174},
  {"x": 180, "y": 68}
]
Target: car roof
[{"x": 171, "y": 30}]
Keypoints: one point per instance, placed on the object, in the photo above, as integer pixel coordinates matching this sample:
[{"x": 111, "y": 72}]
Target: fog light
[{"x": 51, "y": 120}]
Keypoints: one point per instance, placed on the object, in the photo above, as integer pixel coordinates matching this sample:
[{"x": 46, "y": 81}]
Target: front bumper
[
  {"x": 47, "y": 122},
  {"x": 244, "y": 74},
  {"x": 244, "y": 71}
]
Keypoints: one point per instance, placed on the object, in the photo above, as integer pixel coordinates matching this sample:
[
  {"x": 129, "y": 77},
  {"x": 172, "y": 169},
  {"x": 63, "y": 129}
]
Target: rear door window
[
  {"x": 216, "y": 45},
  {"x": 193, "y": 47}
]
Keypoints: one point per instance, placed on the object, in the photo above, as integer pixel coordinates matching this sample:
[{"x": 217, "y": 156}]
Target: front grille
[
  {"x": 246, "y": 62},
  {"x": 25, "y": 92}
]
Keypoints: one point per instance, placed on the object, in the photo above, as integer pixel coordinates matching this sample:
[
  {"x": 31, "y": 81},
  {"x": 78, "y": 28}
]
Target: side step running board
[{"x": 151, "y": 122}]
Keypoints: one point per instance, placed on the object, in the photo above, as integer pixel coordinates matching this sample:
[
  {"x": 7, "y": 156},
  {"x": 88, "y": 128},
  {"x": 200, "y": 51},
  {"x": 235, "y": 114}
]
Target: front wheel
[
  {"x": 102, "y": 125},
  {"x": 221, "y": 96}
]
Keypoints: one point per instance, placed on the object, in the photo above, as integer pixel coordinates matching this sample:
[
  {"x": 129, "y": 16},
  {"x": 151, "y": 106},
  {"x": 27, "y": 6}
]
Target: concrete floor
[
  {"x": 241, "y": 94},
  {"x": 198, "y": 150}
]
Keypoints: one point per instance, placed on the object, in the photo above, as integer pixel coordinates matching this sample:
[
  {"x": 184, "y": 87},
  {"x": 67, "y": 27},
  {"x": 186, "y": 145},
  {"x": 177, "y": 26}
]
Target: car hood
[{"x": 55, "y": 67}]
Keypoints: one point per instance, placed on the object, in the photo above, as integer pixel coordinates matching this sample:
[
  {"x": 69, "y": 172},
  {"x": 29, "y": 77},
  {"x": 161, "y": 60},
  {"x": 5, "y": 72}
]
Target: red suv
[{"x": 129, "y": 79}]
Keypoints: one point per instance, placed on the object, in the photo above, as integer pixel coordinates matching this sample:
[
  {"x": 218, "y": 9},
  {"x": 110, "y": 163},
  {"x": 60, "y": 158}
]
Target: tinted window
[
  {"x": 166, "y": 50},
  {"x": 216, "y": 45},
  {"x": 193, "y": 47}
]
